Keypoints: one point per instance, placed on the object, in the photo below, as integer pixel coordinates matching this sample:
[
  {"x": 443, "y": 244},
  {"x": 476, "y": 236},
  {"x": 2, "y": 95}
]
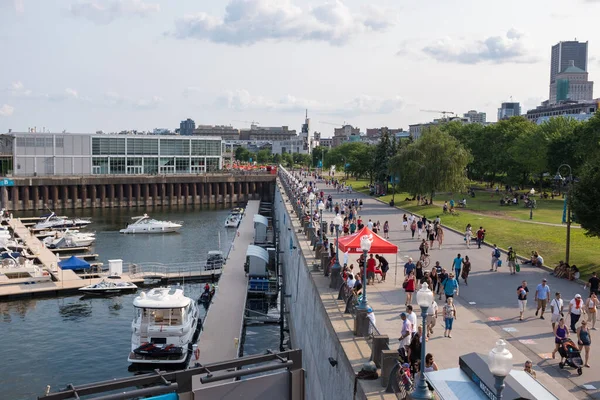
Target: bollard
[
  {"x": 361, "y": 323},
  {"x": 389, "y": 359},
  {"x": 380, "y": 343}
]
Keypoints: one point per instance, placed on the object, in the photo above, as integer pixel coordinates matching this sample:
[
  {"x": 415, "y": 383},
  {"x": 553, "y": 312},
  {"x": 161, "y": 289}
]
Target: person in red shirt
[
  {"x": 480, "y": 236},
  {"x": 371, "y": 263}
]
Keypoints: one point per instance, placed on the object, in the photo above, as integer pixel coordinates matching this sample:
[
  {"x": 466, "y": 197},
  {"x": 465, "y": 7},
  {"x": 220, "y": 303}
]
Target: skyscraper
[
  {"x": 187, "y": 127},
  {"x": 563, "y": 52},
  {"x": 509, "y": 109}
]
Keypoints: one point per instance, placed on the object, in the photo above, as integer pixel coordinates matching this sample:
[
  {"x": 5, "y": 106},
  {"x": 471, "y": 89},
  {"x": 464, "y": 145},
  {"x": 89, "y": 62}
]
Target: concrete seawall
[{"x": 310, "y": 327}]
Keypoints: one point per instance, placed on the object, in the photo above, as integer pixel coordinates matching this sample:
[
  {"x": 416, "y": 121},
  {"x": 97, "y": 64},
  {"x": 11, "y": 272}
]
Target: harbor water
[{"x": 77, "y": 340}]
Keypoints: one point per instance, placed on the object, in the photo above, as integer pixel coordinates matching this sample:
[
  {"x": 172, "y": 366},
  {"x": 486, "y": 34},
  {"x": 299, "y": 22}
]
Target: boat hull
[{"x": 151, "y": 230}]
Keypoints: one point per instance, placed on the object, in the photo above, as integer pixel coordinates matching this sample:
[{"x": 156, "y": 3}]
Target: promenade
[{"x": 487, "y": 307}]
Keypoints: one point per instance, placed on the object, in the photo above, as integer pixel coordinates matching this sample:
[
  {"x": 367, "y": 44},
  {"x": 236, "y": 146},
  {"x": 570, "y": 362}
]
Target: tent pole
[{"x": 396, "y": 270}]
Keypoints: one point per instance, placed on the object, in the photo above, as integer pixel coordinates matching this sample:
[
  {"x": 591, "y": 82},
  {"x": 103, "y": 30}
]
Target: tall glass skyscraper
[{"x": 563, "y": 52}]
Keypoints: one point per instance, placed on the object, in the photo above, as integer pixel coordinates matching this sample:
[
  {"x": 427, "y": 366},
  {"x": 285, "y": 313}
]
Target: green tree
[
  {"x": 242, "y": 154},
  {"x": 286, "y": 159},
  {"x": 264, "y": 156},
  {"x": 585, "y": 199},
  {"x": 383, "y": 152},
  {"x": 435, "y": 162},
  {"x": 318, "y": 155}
]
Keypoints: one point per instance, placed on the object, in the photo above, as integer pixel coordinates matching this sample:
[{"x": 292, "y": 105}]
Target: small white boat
[
  {"x": 233, "y": 221},
  {"x": 106, "y": 287},
  {"x": 144, "y": 224},
  {"x": 164, "y": 325},
  {"x": 69, "y": 239},
  {"x": 53, "y": 222},
  {"x": 21, "y": 271}
]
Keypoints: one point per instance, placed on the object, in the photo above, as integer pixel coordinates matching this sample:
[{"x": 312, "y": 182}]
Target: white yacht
[
  {"x": 51, "y": 221},
  {"x": 164, "y": 326},
  {"x": 233, "y": 221},
  {"x": 107, "y": 286},
  {"x": 69, "y": 239},
  {"x": 144, "y": 224}
]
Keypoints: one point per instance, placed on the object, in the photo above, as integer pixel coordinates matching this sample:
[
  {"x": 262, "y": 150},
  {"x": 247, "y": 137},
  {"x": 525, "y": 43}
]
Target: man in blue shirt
[
  {"x": 457, "y": 265},
  {"x": 542, "y": 296},
  {"x": 450, "y": 286},
  {"x": 409, "y": 267}
]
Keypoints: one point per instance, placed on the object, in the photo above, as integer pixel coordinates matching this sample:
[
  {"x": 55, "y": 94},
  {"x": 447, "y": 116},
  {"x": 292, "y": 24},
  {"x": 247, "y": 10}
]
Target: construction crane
[
  {"x": 249, "y": 122},
  {"x": 444, "y": 113},
  {"x": 331, "y": 123}
]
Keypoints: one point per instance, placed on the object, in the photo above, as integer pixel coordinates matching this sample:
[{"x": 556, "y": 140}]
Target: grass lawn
[{"x": 503, "y": 227}]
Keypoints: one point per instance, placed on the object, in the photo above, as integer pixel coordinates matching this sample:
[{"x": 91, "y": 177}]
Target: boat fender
[
  {"x": 196, "y": 352},
  {"x": 238, "y": 233}
]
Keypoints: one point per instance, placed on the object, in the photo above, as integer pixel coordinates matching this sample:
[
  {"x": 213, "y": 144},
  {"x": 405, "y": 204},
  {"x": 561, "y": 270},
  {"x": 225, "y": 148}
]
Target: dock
[{"x": 220, "y": 339}]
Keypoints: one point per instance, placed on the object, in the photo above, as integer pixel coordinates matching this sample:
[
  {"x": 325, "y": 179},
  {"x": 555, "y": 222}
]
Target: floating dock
[{"x": 220, "y": 339}]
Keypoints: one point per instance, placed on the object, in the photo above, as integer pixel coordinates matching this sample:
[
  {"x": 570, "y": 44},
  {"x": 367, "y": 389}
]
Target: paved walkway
[{"x": 487, "y": 308}]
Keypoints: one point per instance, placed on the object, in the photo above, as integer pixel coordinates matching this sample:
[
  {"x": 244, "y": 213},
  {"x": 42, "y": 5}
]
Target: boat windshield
[{"x": 160, "y": 316}]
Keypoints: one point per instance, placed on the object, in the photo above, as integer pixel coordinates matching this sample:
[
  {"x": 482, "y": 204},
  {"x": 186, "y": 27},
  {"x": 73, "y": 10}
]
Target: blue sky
[{"x": 87, "y": 65}]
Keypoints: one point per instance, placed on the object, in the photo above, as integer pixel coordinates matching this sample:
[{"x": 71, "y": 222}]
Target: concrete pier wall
[
  {"x": 39, "y": 193},
  {"x": 309, "y": 323}
]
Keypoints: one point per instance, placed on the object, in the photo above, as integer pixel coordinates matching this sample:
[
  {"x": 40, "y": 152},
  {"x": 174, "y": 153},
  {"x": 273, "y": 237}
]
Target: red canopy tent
[{"x": 379, "y": 245}]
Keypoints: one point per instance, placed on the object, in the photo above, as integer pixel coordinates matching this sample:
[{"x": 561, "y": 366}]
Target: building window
[
  {"x": 134, "y": 161},
  {"x": 182, "y": 165},
  {"x": 60, "y": 142},
  {"x": 166, "y": 165},
  {"x": 142, "y": 147},
  {"x": 212, "y": 164},
  {"x": 100, "y": 165},
  {"x": 117, "y": 165},
  {"x": 108, "y": 146},
  {"x": 151, "y": 166},
  {"x": 213, "y": 148},
  {"x": 198, "y": 147},
  {"x": 174, "y": 147}
]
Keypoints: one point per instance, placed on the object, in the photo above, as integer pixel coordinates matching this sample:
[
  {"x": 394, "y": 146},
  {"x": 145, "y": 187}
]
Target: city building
[
  {"x": 156, "y": 131},
  {"x": 46, "y": 154},
  {"x": 305, "y": 135},
  {"x": 375, "y": 133},
  {"x": 316, "y": 139},
  {"x": 509, "y": 109},
  {"x": 291, "y": 146},
  {"x": 187, "y": 127},
  {"x": 476, "y": 117},
  {"x": 563, "y": 53},
  {"x": 225, "y": 132},
  {"x": 326, "y": 142},
  {"x": 571, "y": 84},
  {"x": 341, "y": 135},
  {"x": 567, "y": 108},
  {"x": 267, "y": 133},
  {"x": 416, "y": 130}
]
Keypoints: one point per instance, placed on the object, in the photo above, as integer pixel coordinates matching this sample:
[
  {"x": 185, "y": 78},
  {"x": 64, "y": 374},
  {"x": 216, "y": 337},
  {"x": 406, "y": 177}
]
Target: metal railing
[{"x": 181, "y": 270}]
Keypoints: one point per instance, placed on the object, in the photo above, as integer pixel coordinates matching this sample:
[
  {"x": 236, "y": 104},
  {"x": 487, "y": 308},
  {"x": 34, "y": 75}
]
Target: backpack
[{"x": 497, "y": 253}]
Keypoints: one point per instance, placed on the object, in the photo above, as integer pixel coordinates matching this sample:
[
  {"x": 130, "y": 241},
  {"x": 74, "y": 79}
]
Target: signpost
[{"x": 7, "y": 182}]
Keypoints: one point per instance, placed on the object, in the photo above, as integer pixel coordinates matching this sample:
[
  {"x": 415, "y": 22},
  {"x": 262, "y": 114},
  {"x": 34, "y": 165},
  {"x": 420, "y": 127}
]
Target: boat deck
[{"x": 220, "y": 339}]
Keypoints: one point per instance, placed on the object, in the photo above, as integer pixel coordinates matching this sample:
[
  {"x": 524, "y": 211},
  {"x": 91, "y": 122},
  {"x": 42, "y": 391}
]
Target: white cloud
[
  {"x": 6, "y": 110},
  {"x": 114, "y": 99},
  {"x": 250, "y": 21},
  {"x": 510, "y": 48},
  {"x": 106, "y": 11},
  {"x": 17, "y": 89},
  {"x": 241, "y": 100}
]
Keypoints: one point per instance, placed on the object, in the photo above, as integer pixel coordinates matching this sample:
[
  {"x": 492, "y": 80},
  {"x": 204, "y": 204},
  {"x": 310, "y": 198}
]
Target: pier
[{"x": 220, "y": 339}]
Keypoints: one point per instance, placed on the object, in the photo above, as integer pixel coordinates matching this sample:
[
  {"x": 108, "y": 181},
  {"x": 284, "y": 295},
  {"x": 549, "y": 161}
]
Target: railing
[{"x": 181, "y": 270}]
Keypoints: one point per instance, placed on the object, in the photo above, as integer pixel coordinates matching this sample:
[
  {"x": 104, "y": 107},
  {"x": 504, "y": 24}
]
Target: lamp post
[
  {"x": 365, "y": 245},
  {"x": 424, "y": 299},
  {"x": 559, "y": 179},
  {"x": 321, "y": 207},
  {"x": 500, "y": 364},
  {"x": 531, "y": 203},
  {"x": 311, "y": 199},
  {"x": 336, "y": 270}
]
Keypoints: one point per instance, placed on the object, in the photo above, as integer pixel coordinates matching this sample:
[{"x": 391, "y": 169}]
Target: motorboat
[
  {"x": 144, "y": 224},
  {"x": 107, "y": 287},
  {"x": 69, "y": 239},
  {"x": 54, "y": 222},
  {"x": 233, "y": 221},
  {"x": 164, "y": 326},
  {"x": 238, "y": 211},
  {"x": 18, "y": 270},
  {"x": 215, "y": 260}
]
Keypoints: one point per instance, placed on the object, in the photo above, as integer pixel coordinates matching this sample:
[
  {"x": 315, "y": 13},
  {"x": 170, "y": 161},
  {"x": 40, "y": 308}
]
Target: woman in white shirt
[{"x": 350, "y": 281}]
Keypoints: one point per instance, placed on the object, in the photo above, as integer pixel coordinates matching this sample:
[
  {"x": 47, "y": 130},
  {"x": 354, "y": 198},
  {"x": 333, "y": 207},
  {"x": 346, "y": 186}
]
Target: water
[{"x": 70, "y": 339}]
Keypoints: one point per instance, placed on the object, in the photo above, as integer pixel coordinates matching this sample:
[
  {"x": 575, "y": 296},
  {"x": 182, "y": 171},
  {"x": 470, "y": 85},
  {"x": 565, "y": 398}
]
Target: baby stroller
[{"x": 569, "y": 350}]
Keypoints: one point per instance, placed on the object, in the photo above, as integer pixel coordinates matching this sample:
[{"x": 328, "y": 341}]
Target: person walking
[
  {"x": 412, "y": 317},
  {"x": 511, "y": 260},
  {"x": 468, "y": 236},
  {"x": 435, "y": 283},
  {"x": 409, "y": 266},
  {"x": 542, "y": 297},
  {"x": 561, "y": 332},
  {"x": 432, "y": 314},
  {"x": 591, "y": 305},
  {"x": 522, "y": 297},
  {"x": 556, "y": 308},
  {"x": 457, "y": 264},
  {"x": 466, "y": 269},
  {"x": 404, "y": 222},
  {"x": 584, "y": 340},
  {"x": 409, "y": 287},
  {"x": 594, "y": 284},
  {"x": 450, "y": 286},
  {"x": 575, "y": 310},
  {"x": 413, "y": 228},
  {"x": 371, "y": 263},
  {"x": 495, "y": 258},
  {"x": 440, "y": 236},
  {"x": 480, "y": 236},
  {"x": 431, "y": 234},
  {"x": 386, "y": 230},
  {"x": 419, "y": 228},
  {"x": 449, "y": 316},
  {"x": 405, "y": 332}
]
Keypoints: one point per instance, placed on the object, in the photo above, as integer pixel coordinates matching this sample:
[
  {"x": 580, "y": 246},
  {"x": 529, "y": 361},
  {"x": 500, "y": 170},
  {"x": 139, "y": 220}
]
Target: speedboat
[
  {"x": 53, "y": 222},
  {"x": 233, "y": 221},
  {"x": 164, "y": 326},
  {"x": 215, "y": 260},
  {"x": 69, "y": 239},
  {"x": 106, "y": 287},
  {"x": 238, "y": 210},
  {"x": 144, "y": 224}
]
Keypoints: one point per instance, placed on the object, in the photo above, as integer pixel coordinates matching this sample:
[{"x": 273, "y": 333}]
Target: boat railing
[{"x": 180, "y": 270}]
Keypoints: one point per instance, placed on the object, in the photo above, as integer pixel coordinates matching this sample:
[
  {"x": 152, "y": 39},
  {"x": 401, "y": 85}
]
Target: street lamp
[
  {"x": 311, "y": 198},
  {"x": 531, "y": 203},
  {"x": 336, "y": 270},
  {"x": 321, "y": 207},
  {"x": 425, "y": 300},
  {"x": 500, "y": 364},
  {"x": 559, "y": 179},
  {"x": 365, "y": 245}
]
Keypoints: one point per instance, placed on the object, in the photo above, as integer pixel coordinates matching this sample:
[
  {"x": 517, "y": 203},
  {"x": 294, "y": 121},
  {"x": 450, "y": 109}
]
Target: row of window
[
  {"x": 153, "y": 165},
  {"x": 39, "y": 142},
  {"x": 152, "y": 147}
]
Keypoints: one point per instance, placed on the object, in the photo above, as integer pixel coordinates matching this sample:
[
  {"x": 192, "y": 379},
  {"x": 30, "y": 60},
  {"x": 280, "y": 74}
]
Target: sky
[{"x": 112, "y": 65}]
